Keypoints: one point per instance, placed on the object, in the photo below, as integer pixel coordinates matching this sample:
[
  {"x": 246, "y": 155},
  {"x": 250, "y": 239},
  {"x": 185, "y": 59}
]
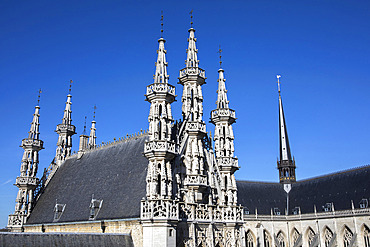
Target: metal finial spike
[
  {"x": 38, "y": 97},
  {"x": 220, "y": 52},
  {"x": 94, "y": 111},
  {"x": 162, "y": 24},
  {"x": 70, "y": 86},
  {"x": 191, "y": 18},
  {"x": 278, "y": 78},
  {"x": 85, "y": 127}
]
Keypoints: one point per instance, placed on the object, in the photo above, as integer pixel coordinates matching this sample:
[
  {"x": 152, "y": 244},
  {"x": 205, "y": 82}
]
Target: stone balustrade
[
  {"x": 160, "y": 146},
  {"x": 310, "y": 216},
  {"x": 65, "y": 128},
  {"x": 159, "y": 209},
  {"x": 16, "y": 220},
  {"x": 26, "y": 181},
  {"x": 196, "y": 179},
  {"x": 210, "y": 213},
  {"x": 32, "y": 142},
  {"x": 223, "y": 113},
  {"x": 227, "y": 161},
  {"x": 193, "y": 71},
  {"x": 196, "y": 126},
  {"x": 160, "y": 88}
]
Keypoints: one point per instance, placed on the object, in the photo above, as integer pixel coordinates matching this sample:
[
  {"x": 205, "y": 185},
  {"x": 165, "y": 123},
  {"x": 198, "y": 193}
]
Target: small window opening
[
  {"x": 58, "y": 211},
  {"x": 328, "y": 207},
  {"x": 295, "y": 210},
  {"x": 95, "y": 206},
  {"x": 246, "y": 211},
  {"x": 171, "y": 232},
  {"x": 364, "y": 203},
  {"x": 276, "y": 211}
]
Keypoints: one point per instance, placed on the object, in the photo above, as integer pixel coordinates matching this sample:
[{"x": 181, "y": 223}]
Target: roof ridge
[
  {"x": 257, "y": 182},
  {"x": 336, "y": 173},
  {"x": 103, "y": 145}
]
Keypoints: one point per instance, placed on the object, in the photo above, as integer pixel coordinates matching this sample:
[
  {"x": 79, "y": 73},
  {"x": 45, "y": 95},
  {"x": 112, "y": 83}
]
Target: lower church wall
[
  {"x": 272, "y": 229},
  {"x": 132, "y": 227}
]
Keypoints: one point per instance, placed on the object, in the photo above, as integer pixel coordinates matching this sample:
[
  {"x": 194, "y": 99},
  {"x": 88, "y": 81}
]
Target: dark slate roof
[
  {"x": 337, "y": 188},
  {"x": 65, "y": 239},
  {"x": 116, "y": 174}
]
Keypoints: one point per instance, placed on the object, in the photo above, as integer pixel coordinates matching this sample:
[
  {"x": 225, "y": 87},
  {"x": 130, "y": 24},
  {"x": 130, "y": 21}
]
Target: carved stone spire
[
  {"x": 92, "y": 138},
  {"x": 27, "y": 181},
  {"x": 286, "y": 164},
  {"x": 195, "y": 181},
  {"x": 160, "y": 149},
  {"x": 65, "y": 131},
  {"x": 223, "y": 117}
]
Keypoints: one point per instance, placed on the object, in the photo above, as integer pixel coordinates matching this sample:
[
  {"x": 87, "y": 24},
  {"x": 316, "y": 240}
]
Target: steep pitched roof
[
  {"x": 115, "y": 174},
  {"x": 337, "y": 188}
]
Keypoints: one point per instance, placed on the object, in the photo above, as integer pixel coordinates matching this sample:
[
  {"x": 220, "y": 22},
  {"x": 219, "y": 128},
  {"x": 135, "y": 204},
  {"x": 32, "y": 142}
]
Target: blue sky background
[{"x": 321, "y": 49}]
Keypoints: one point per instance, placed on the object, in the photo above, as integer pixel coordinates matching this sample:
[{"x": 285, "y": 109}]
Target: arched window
[
  {"x": 295, "y": 236},
  {"x": 310, "y": 236},
  {"x": 266, "y": 238},
  {"x": 249, "y": 240},
  {"x": 280, "y": 239},
  {"x": 328, "y": 235},
  {"x": 366, "y": 236},
  {"x": 347, "y": 237}
]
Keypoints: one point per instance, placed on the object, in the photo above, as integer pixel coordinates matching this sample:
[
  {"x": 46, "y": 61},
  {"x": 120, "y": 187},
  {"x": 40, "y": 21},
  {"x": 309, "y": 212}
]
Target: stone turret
[
  {"x": 27, "y": 181},
  {"x": 159, "y": 213},
  {"x": 195, "y": 177},
  {"x": 286, "y": 165},
  {"x": 65, "y": 131},
  {"x": 223, "y": 117}
]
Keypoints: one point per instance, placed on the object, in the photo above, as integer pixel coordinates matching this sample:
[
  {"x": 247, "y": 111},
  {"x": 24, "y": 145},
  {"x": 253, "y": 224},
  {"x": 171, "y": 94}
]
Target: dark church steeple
[{"x": 286, "y": 165}]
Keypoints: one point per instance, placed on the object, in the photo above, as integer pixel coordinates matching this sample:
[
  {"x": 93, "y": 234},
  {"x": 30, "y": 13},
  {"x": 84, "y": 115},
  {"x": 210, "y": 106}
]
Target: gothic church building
[{"x": 174, "y": 184}]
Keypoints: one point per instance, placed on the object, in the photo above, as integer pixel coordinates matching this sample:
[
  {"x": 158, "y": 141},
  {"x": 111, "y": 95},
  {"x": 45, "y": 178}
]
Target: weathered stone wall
[
  {"x": 336, "y": 223},
  {"x": 131, "y": 227},
  {"x": 65, "y": 239}
]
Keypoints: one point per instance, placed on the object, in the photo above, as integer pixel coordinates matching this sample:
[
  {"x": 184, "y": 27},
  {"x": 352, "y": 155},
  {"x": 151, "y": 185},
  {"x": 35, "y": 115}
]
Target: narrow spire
[
  {"x": 84, "y": 132},
  {"x": 192, "y": 59},
  {"x": 286, "y": 165},
  {"x": 34, "y": 130},
  {"x": 92, "y": 138},
  {"x": 222, "y": 101},
  {"x": 284, "y": 141},
  {"x": 161, "y": 75}
]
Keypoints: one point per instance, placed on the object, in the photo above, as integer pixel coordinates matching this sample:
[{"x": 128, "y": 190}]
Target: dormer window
[
  {"x": 276, "y": 211},
  {"x": 95, "y": 206},
  {"x": 295, "y": 210},
  {"x": 58, "y": 211},
  {"x": 246, "y": 211},
  {"x": 364, "y": 203},
  {"x": 328, "y": 207}
]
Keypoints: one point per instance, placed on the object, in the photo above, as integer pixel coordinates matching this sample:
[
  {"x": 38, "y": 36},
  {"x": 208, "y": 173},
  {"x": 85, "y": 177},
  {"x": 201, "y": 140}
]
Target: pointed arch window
[
  {"x": 310, "y": 236},
  {"x": 266, "y": 239},
  {"x": 249, "y": 240},
  {"x": 328, "y": 235},
  {"x": 347, "y": 237},
  {"x": 280, "y": 239},
  {"x": 295, "y": 236},
  {"x": 366, "y": 236}
]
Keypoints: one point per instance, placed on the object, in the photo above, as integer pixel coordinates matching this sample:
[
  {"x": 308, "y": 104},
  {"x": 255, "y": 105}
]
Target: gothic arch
[
  {"x": 347, "y": 236},
  {"x": 365, "y": 234},
  {"x": 310, "y": 235},
  {"x": 281, "y": 239},
  {"x": 267, "y": 238},
  {"x": 327, "y": 236},
  {"x": 294, "y": 235},
  {"x": 250, "y": 239}
]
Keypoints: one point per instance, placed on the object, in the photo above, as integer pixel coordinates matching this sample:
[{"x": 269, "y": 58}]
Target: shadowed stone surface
[{"x": 65, "y": 240}]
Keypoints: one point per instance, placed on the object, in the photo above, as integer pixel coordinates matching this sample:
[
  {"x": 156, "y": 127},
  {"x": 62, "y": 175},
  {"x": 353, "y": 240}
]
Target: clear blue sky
[{"x": 321, "y": 49}]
